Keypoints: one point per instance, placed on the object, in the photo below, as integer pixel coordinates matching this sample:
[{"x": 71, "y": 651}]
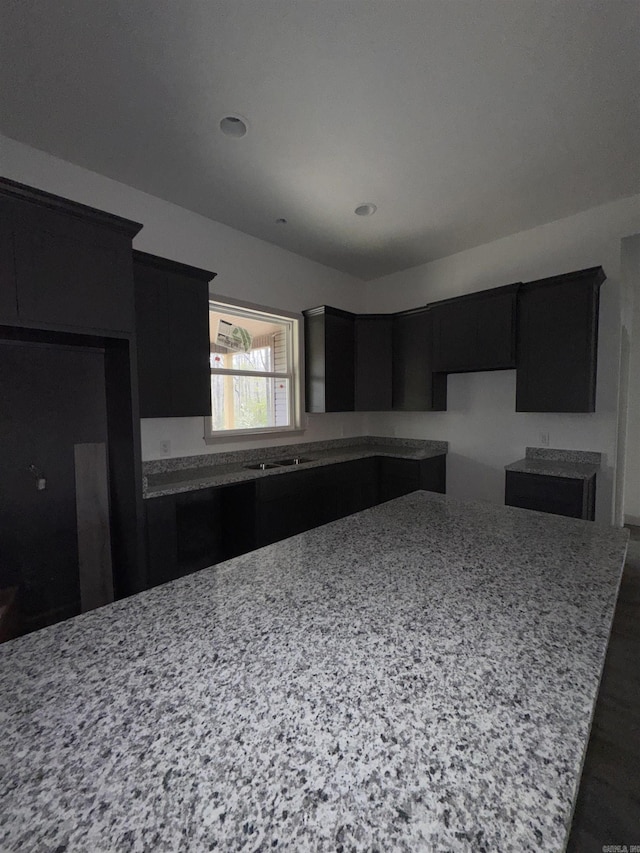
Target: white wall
[
  {"x": 628, "y": 485},
  {"x": 247, "y": 269},
  {"x": 481, "y": 424}
]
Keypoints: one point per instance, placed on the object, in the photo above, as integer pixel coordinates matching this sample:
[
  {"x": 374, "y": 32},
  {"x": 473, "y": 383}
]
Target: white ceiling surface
[{"x": 463, "y": 120}]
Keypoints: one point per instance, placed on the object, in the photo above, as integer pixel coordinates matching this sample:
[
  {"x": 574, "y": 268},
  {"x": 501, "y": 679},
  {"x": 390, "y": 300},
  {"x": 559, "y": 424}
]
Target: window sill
[{"x": 251, "y": 435}]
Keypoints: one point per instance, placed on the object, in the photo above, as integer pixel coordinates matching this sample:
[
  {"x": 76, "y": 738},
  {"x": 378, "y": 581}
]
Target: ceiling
[{"x": 462, "y": 120}]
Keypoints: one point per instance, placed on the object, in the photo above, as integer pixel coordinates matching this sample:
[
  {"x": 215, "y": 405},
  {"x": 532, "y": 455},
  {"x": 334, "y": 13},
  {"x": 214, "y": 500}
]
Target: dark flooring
[{"x": 608, "y": 806}]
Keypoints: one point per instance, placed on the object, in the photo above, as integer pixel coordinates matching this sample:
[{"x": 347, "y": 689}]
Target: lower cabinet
[
  {"x": 402, "y": 476},
  {"x": 192, "y": 530},
  {"x": 559, "y": 495},
  {"x": 301, "y": 500}
]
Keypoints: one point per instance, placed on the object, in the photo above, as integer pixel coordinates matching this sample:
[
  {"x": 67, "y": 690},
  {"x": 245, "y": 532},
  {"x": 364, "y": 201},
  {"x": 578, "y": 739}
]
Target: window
[{"x": 254, "y": 360}]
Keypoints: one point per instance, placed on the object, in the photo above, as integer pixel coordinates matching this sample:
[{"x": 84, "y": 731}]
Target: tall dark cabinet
[
  {"x": 329, "y": 360},
  {"x": 373, "y": 356},
  {"x": 415, "y": 386},
  {"x": 172, "y": 324},
  {"x": 66, "y": 280},
  {"x": 558, "y": 343}
]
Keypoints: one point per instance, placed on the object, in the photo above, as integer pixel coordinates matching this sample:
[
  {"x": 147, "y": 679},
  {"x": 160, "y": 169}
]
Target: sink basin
[
  {"x": 296, "y": 460},
  {"x": 261, "y": 466}
]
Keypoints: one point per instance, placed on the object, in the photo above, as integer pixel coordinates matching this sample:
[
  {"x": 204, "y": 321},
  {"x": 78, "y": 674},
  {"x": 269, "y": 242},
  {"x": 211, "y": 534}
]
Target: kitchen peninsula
[{"x": 419, "y": 676}]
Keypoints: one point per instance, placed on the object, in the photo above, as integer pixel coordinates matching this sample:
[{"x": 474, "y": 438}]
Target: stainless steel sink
[
  {"x": 296, "y": 460},
  {"x": 261, "y": 466}
]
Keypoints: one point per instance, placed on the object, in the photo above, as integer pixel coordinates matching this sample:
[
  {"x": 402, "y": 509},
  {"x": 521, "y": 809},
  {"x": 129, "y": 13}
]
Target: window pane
[
  {"x": 249, "y": 402},
  {"x": 248, "y": 343}
]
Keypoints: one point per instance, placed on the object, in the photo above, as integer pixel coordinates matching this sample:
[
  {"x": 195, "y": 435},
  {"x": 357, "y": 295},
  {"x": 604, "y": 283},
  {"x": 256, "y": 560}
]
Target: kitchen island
[{"x": 420, "y": 676}]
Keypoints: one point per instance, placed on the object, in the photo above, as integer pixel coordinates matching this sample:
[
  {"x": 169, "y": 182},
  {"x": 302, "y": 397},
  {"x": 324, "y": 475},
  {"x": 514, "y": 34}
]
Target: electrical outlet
[
  {"x": 165, "y": 447},
  {"x": 544, "y": 439}
]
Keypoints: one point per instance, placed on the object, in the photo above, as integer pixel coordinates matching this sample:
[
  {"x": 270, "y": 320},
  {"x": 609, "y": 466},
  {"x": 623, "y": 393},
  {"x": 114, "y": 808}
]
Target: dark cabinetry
[
  {"x": 475, "y": 332},
  {"x": 557, "y": 343},
  {"x": 298, "y": 501},
  {"x": 65, "y": 266},
  {"x": 329, "y": 360},
  {"x": 172, "y": 322},
  {"x": 415, "y": 386},
  {"x": 373, "y": 357},
  {"x": 190, "y": 531},
  {"x": 559, "y": 495},
  {"x": 402, "y": 476}
]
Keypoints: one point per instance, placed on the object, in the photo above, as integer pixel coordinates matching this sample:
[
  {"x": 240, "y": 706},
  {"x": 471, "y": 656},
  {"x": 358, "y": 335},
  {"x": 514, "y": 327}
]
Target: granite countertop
[
  {"x": 420, "y": 676},
  {"x": 185, "y": 474},
  {"x": 574, "y": 464}
]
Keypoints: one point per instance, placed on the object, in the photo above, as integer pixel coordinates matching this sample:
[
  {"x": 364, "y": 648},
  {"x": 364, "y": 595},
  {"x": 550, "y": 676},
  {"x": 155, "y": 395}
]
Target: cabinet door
[
  {"x": 71, "y": 273},
  {"x": 162, "y": 556},
  {"x": 475, "y": 332},
  {"x": 8, "y": 292},
  {"x": 152, "y": 334},
  {"x": 188, "y": 304},
  {"x": 433, "y": 474},
  {"x": 198, "y": 530},
  {"x": 329, "y": 360},
  {"x": 454, "y": 336},
  {"x": 557, "y": 343},
  {"x": 496, "y": 330},
  {"x": 398, "y": 477},
  {"x": 558, "y": 495},
  {"x": 172, "y": 334},
  {"x": 415, "y": 387},
  {"x": 373, "y": 358}
]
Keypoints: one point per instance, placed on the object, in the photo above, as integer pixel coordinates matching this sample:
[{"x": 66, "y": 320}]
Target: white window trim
[{"x": 297, "y": 402}]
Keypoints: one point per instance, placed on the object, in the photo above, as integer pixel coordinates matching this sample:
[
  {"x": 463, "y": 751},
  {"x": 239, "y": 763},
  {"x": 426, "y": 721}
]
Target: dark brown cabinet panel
[
  {"x": 193, "y": 530},
  {"x": 559, "y": 495},
  {"x": 373, "y": 354},
  {"x": 475, "y": 332},
  {"x": 557, "y": 343},
  {"x": 152, "y": 332},
  {"x": 329, "y": 360},
  {"x": 8, "y": 291},
  {"x": 71, "y": 264},
  {"x": 293, "y": 502},
  {"x": 402, "y": 476},
  {"x": 415, "y": 387},
  {"x": 172, "y": 325}
]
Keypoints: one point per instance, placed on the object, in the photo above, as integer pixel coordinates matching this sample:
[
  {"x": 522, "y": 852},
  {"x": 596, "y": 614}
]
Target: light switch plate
[
  {"x": 544, "y": 439},
  {"x": 165, "y": 447}
]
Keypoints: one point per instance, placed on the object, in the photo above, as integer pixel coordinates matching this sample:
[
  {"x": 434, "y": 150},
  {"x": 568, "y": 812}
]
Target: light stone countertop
[
  {"x": 186, "y": 474},
  {"x": 420, "y": 676},
  {"x": 549, "y": 462}
]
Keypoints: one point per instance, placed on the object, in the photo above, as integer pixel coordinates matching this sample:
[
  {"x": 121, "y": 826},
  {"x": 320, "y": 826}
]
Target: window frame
[{"x": 295, "y": 351}]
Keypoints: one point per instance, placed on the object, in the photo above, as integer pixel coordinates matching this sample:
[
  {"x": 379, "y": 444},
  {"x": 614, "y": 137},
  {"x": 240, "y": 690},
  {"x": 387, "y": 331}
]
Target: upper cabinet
[
  {"x": 558, "y": 343},
  {"x": 475, "y": 332},
  {"x": 329, "y": 360},
  {"x": 172, "y": 328},
  {"x": 547, "y": 330},
  {"x": 65, "y": 266},
  {"x": 373, "y": 355},
  {"x": 415, "y": 386}
]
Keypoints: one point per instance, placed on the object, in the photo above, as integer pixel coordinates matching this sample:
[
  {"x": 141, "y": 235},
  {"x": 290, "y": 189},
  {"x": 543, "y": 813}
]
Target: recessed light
[
  {"x": 366, "y": 209},
  {"x": 234, "y": 125},
  {"x": 281, "y": 221}
]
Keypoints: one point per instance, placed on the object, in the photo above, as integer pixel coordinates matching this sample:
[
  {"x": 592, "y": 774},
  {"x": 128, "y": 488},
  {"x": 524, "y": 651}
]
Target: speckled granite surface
[
  {"x": 551, "y": 454},
  {"x": 188, "y": 473},
  {"x": 574, "y": 464},
  {"x": 417, "y": 677}
]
